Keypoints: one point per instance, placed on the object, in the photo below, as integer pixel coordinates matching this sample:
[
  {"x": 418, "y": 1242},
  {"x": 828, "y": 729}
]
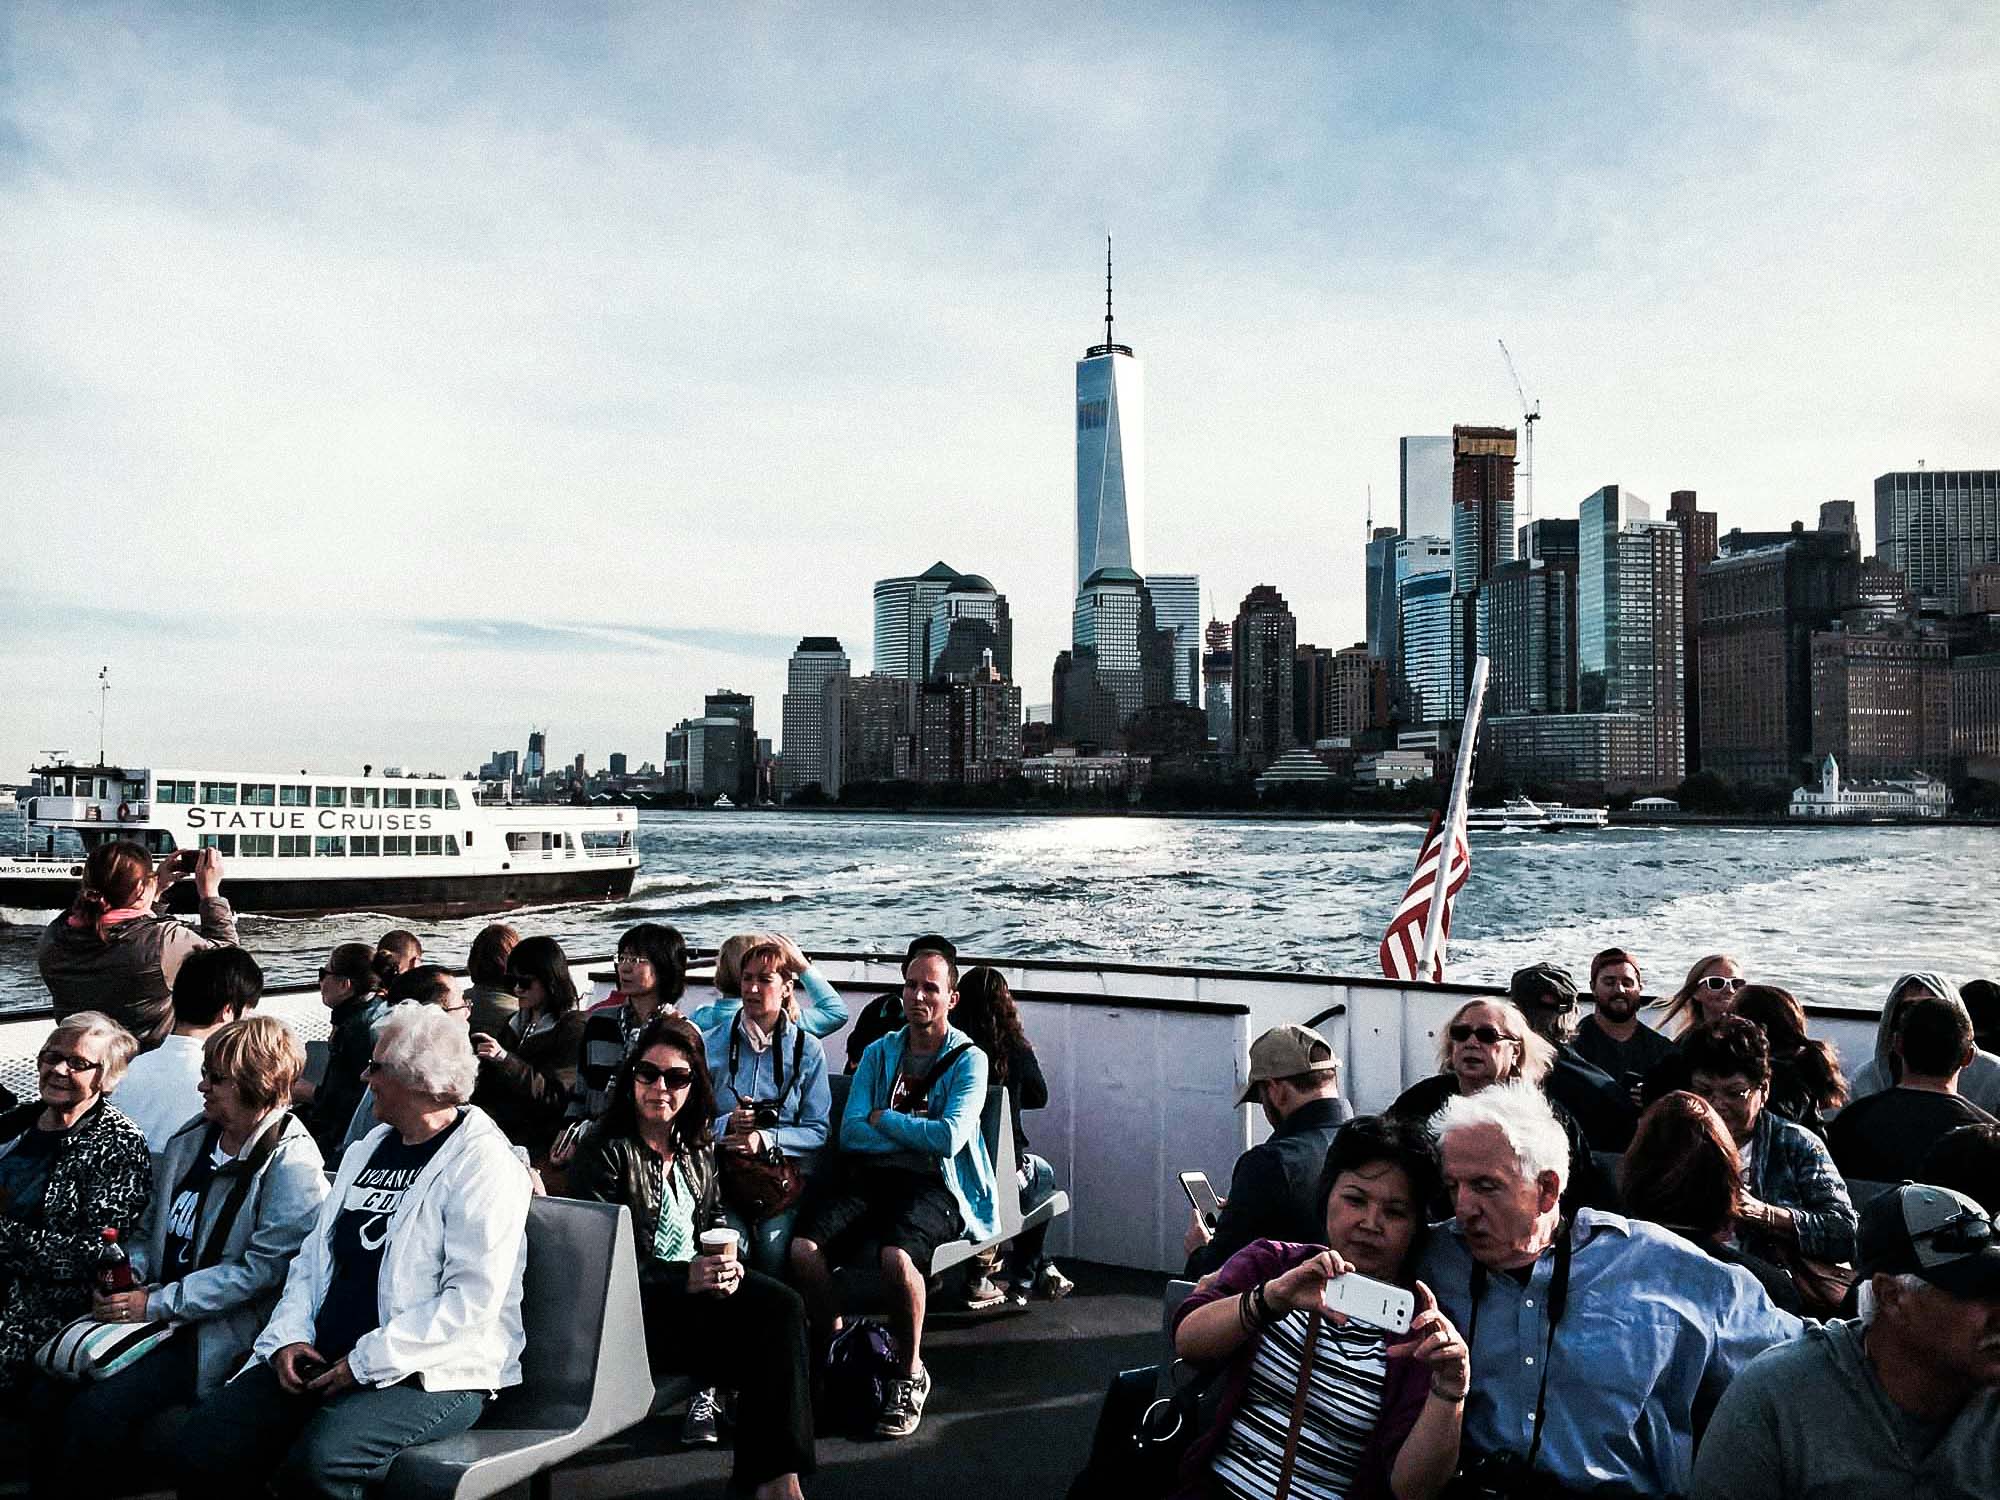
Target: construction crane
[{"x": 1531, "y": 413}]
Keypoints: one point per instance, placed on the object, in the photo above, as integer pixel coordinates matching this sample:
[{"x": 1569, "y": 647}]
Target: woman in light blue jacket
[
  {"x": 234, "y": 1191},
  {"x": 402, "y": 1312}
]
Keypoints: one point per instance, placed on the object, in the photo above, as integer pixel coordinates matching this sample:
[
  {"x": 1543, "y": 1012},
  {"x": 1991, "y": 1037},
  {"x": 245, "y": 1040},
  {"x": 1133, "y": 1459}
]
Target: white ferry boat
[
  {"x": 310, "y": 842},
  {"x": 1518, "y": 814}
]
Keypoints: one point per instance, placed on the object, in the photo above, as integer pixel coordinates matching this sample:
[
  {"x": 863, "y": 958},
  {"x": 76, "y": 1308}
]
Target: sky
[{"x": 377, "y": 381}]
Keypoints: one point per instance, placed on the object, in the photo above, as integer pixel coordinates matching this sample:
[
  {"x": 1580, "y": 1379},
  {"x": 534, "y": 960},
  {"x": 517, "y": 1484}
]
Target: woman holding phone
[
  {"x": 705, "y": 1312},
  {"x": 1381, "y": 1410},
  {"x": 526, "y": 1072}
]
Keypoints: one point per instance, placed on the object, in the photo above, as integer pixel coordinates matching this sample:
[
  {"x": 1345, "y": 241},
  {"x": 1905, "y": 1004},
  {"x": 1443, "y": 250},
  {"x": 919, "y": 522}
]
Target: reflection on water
[{"x": 1833, "y": 913}]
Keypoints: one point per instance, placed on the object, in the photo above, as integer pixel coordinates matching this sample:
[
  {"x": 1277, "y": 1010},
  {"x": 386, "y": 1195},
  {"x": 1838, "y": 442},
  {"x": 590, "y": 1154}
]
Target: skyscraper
[
  {"x": 1360, "y": 692},
  {"x": 1177, "y": 607},
  {"x": 1218, "y": 670},
  {"x": 969, "y": 621},
  {"x": 1409, "y": 557},
  {"x": 1425, "y": 605},
  {"x": 1312, "y": 694},
  {"x": 1425, "y": 464},
  {"x": 903, "y": 609},
  {"x": 537, "y": 762},
  {"x": 1698, "y": 550},
  {"x": 1114, "y": 627},
  {"x": 1266, "y": 642},
  {"x": 817, "y": 659},
  {"x": 1110, "y": 453},
  {"x": 1527, "y": 613},
  {"x": 1378, "y": 589},
  {"x": 1482, "y": 533},
  {"x": 1934, "y": 526},
  {"x": 1629, "y": 640}
]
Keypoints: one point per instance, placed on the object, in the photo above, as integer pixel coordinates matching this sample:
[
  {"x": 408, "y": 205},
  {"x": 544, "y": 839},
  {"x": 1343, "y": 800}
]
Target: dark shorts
[{"x": 858, "y": 1202}]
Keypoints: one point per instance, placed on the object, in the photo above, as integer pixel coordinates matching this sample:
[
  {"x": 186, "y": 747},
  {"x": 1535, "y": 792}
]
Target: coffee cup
[{"x": 719, "y": 1242}]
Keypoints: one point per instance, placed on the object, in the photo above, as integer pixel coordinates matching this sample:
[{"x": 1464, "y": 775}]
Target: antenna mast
[
  {"x": 103, "y": 706},
  {"x": 1531, "y": 413},
  {"x": 1107, "y": 291}
]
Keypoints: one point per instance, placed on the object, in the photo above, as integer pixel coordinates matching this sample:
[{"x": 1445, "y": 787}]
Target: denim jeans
[
  {"x": 767, "y": 1242},
  {"x": 1038, "y": 1185},
  {"x": 252, "y": 1433}
]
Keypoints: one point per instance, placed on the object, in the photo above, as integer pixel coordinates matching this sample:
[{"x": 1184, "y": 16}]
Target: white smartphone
[
  {"x": 1202, "y": 1196},
  {"x": 1366, "y": 1300}
]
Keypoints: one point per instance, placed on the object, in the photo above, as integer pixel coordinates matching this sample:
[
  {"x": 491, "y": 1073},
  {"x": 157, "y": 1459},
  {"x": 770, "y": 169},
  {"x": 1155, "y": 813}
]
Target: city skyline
[{"x": 485, "y": 393}]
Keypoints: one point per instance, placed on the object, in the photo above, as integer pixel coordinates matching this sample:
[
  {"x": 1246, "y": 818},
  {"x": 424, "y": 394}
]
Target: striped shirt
[
  {"x": 1341, "y": 1410},
  {"x": 609, "y": 1030}
]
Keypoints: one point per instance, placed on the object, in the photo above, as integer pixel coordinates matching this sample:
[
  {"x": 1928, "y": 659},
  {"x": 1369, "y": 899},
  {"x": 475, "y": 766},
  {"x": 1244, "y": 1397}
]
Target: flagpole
[{"x": 1454, "y": 819}]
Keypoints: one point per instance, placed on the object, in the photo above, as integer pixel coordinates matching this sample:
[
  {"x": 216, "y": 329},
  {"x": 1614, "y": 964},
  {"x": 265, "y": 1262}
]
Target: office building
[
  {"x": 1630, "y": 645},
  {"x": 1265, "y": 644},
  {"x": 1110, "y": 454},
  {"x": 869, "y": 728},
  {"x": 1482, "y": 532},
  {"x": 1114, "y": 628},
  {"x": 903, "y": 608},
  {"x": 1698, "y": 550},
  {"x": 1527, "y": 631},
  {"x": 1218, "y": 671},
  {"x": 1759, "y": 610},
  {"x": 1975, "y": 715},
  {"x": 1410, "y": 557},
  {"x": 1359, "y": 701},
  {"x": 1611, "y": 751},
  {"x": 1430, "y": 689},
  {"x": 1881, "y": 700},
  {"x": 1934, "y": 526},
  {"x": 1177, "y": 607},
  {"x": 969, "y": 622},
  {"x": 1378, "y": 590},
  {"x": 818, "y": 659},
  {"x": 725, "y": 703},
  {"x": 537, "y": 763},
  {"x": 1424, "y": 465},
  {"x": 615, "y": 765},
  {"x": 719, "y": 758},
  {"x": 1312, "y": 694},
  {"x": 1838, "y": 516},
  {"x": 1549, "y": 540}
]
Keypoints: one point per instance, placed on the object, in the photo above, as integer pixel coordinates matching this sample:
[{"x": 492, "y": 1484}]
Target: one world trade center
[{"x": 1110, "y": 453}]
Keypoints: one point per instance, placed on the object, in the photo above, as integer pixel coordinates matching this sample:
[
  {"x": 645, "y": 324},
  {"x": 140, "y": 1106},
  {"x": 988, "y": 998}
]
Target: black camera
[{"x": 766, "y": 1115}]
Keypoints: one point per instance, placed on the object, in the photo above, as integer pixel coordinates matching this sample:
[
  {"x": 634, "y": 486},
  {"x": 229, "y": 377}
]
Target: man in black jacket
[
  {"x": 1547, "y": 997},
  {"x": 1273, "y": 1193}
]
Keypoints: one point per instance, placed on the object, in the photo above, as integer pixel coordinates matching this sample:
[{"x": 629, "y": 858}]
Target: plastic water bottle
[{"x": 114, "y": 1269}]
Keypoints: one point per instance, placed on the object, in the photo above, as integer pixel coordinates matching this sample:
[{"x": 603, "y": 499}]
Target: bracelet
[
  {"x": 1265, "y": 1317},
  {"x": 1454, "y": 1397}
]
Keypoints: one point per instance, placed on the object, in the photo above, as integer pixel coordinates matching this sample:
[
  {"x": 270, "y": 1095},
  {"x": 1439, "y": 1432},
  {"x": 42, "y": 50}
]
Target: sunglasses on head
[
  {"x": 1964, "y": 1232},
  {"x": 674, "y": 1078},
  {"x": 1721, "y": 982},
  {"x": 1492, "y": 1036}
]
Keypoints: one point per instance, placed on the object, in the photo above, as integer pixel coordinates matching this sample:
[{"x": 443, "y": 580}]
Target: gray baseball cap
[{"x": 1931, "y": 1232}]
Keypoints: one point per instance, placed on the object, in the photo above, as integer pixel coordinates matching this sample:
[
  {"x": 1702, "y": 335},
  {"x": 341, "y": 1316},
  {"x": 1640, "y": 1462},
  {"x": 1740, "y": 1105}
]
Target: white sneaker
[
  {"x": 698, "y": 1426},
  {"x": 905, "y": 1406}
]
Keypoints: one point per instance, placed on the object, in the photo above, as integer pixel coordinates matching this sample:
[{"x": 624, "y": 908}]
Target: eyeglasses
[
  {"x": 325, "y": 972},
  {"x": 452, "y": 1009},
  {"x": 373, "y": 1066},
  {"x": 1720, "y": 982},
  {"x": 1723, "y": 1093},
  {"x": 1492, "y": 1036},
  {"x": 1964, "y": 1232},
  {"x": 647, "y": 1075},
  {"x": 518, "y": 982},
  {"x": 633, "y": 960},
  {"x": 53, "y": 1059}
]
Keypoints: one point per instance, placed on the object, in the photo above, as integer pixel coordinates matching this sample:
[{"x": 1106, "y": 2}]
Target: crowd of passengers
[{"x": 340, "y": 1265}]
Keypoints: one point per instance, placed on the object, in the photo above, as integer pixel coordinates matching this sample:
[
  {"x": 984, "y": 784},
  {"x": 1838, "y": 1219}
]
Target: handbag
[
  {"x": 1822, "y": 1285},
  {"x": 767, "y": 1182},
  {"x": 1142, "y": 1437},
  {"x": 90, "y": 1349}
]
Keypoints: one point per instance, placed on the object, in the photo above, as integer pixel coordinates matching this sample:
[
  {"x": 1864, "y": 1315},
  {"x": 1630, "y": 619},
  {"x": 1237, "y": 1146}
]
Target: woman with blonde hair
[
  {"x": 1708, "y": 992},
  {"x": 815, "y": 1004},
  {"x": 1489, "y": 1041}
]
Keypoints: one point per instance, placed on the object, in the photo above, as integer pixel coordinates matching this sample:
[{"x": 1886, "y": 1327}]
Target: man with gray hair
[
  {"x": 1598, "y": 1343},
  {"x": 1904, "y": 1400}
]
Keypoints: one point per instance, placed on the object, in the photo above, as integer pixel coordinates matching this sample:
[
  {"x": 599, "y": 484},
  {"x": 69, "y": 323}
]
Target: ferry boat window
[
  {"x": 450, "y": 800},
  {"x": 222, "y": 843},
  {"x": 221, "y": 793},
  {"x": 366, "y": 796},
  {"x": 133, "y": 791},
  {"x": 364, "y": 843},
  {"x": 451, "y": 844},
  {"x": 330, "y": 796},
  {"x": 395, "y": 796},
  {"x": 295, "y": 796},
  {"x": 429, "y": 797},
  {"x": 173, "y": 791},
  {"x": 255, "y": 845},
  {"x": 294, "y": 845},
  {"x": 396, "y": 843},
  {"x": 329, "y": 845},
  {"x": 429, "y": 843},
  {"x": 259, "y": 794}
]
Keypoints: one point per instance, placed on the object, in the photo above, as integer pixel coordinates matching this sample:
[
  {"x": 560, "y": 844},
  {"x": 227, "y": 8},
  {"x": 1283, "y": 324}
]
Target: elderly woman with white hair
[
  {"x": 71, "y": 1167},
  {"x": 402, "y": 1312}
]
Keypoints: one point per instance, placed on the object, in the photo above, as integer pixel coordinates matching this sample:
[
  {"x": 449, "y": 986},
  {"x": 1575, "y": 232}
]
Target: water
[{"x": 1832, "y": 913}]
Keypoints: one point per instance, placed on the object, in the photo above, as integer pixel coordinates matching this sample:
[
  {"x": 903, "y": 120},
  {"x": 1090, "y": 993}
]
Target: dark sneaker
[
  {"x": 905, "y": 1406},
  {"x": 981, "y": 1293},
  {"x": 698, "y": 1427}
]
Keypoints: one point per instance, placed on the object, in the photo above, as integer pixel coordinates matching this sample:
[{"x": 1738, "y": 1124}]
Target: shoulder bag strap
[
  {"x": 1298, "y": 1408},
  {"x": 267, "y": 1143}
]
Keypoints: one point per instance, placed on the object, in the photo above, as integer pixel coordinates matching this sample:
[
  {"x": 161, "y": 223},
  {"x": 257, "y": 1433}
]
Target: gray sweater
[
  {"x": 1808, "y": 1421},
  {"x": 228, "y": 1302}
]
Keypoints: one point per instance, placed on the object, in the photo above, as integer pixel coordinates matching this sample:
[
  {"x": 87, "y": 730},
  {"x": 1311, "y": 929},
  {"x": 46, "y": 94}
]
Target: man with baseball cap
[
  {"x": 1904, "y": 1400},
  {"x": 1273, "y": 1193},
  {"x": 1547, "y": 997}
]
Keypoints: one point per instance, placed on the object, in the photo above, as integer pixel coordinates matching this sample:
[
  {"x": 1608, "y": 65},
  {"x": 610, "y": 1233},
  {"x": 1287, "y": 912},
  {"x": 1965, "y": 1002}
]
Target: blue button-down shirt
[{"x": 1652, "y": 1331}]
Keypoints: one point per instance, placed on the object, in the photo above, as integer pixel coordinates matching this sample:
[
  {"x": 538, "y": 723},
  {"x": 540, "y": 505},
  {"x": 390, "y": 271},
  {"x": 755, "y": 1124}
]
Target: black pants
[
  {"x": 108, "y": 1437},
  {"x": 752, "y": 1342}
]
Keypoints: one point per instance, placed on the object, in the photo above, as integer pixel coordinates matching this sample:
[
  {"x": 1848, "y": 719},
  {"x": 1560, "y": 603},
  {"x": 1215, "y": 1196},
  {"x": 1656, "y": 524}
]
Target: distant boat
[
  {"x": 1522, "y": 816},
  {"x": 723, "y": 802}
]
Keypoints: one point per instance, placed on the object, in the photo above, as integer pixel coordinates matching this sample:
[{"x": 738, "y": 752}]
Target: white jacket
[{"x": 450, "y": 1283}]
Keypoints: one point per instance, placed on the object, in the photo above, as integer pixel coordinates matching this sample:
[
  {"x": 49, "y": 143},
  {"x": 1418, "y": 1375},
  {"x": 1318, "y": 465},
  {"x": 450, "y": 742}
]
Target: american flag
[{"x": 1403, "y": 943}]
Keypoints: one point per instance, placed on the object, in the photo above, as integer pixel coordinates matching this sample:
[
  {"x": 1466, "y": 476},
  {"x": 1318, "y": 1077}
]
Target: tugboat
[{"x": 308, "y": 843}]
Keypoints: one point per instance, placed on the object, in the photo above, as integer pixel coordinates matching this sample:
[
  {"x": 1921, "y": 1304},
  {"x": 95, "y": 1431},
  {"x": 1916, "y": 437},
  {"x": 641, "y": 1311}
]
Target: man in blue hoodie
[{"x": 912, "y": 1173}]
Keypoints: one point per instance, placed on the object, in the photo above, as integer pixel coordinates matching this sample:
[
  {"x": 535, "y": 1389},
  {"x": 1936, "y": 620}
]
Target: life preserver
[{"x": 124, "y": 812}]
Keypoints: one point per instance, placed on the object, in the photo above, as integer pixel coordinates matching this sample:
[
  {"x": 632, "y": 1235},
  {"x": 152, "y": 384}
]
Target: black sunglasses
[
  {"x": 1493, "y": 1036},
  {"x": 519, "y": 981},
  {"x": 1963, "y": 1232},
  {"x": 673, "y": 1078}
]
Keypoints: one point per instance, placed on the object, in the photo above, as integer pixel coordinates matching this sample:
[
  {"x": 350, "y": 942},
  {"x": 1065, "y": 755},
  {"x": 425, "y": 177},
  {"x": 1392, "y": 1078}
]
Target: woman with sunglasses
[
  {"x": 1487, "y": 1042},
  {"x": 1709, "y": 991},
  {"x": 706, "y": 1313},
  {"x": 71, "y": 1167},
  {"x": 526, "y": 1072},
  {"x": 350, "y": 988}
]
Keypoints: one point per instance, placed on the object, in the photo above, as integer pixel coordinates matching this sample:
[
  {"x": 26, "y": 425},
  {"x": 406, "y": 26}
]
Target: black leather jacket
[{"x": 623, "y": 1169}]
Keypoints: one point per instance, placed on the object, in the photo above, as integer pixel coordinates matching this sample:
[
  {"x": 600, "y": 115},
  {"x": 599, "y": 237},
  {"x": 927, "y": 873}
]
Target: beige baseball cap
[{"x": 1285, "y": 1052}]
